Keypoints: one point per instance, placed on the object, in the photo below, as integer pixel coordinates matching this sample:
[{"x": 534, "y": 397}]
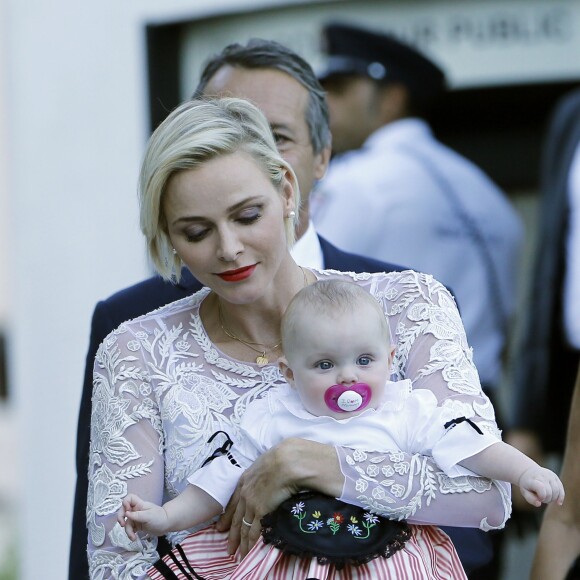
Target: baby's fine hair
[
  {"x": 327, "y": 298},
  {"x": 193, "y": 134}
]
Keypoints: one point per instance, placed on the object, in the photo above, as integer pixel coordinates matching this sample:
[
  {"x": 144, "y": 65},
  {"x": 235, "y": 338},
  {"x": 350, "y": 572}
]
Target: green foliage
[{"x": 9, "y": 566}]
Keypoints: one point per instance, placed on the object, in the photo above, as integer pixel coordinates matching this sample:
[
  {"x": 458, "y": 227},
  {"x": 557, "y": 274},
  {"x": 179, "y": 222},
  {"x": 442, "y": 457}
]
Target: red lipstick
[{"x": 237, "y": 275}]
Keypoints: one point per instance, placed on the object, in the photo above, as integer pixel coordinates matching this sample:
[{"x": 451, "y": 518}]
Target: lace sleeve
[
  {"x": 432, "y": 351},
  {"x": 403, "y": 486},
  {"x": 125, "y": 456}
]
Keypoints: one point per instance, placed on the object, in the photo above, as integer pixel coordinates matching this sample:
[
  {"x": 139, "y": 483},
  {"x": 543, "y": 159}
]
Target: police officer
[{"x": 395, "y": 193}]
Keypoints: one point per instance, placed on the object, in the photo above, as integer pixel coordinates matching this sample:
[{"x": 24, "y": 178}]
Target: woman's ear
[
  {"x": 286, "y": 370},
  {"x": 289, "y": 191}
]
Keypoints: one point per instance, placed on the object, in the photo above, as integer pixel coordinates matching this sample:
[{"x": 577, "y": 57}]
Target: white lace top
[{"x": 161, "y": 389}]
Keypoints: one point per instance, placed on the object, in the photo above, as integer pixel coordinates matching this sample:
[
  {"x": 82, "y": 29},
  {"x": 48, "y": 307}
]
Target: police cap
[{"x": 352, "y": 50}]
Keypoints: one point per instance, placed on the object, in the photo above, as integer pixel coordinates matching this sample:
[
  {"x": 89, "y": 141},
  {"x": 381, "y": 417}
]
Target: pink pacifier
[{"x": 345, "y": 398}]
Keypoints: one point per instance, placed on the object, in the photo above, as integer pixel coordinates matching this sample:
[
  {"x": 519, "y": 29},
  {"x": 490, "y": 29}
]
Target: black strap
[
  {"x": 454, "y": 422},
  {"x": 186, "y": 574},
  {"x": 223, "y": 450},
  {"x": 186, "y": 561},
  {"x": 169, "y": 574}
]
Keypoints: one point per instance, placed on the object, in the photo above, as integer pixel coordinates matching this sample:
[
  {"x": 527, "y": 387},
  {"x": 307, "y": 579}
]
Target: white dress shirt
[
  {"x": 406, "y": 198},
  {"x": 307, "y": 251}
]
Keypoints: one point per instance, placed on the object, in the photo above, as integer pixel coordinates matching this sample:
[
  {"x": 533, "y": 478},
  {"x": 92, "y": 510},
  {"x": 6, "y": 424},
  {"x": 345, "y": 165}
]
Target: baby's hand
[
  {"x": 136, "y": 514},
  {"x": 540, "y": 485}
]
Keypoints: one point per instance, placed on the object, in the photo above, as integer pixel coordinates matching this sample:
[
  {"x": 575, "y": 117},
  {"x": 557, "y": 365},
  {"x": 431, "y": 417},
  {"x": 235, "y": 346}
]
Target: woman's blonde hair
[{"x": 194, "y": 133}]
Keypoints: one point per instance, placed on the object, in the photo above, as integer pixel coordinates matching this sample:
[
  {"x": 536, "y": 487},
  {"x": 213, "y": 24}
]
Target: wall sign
[{"x": 492, "y": 43}]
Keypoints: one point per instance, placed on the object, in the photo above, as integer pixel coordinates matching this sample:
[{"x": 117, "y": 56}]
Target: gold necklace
[{"x": 261, "y": 359}]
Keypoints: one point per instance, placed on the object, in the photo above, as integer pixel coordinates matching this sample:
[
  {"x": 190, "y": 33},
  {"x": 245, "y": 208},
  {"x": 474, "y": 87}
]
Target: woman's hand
[{"x": 291, "y": 466}]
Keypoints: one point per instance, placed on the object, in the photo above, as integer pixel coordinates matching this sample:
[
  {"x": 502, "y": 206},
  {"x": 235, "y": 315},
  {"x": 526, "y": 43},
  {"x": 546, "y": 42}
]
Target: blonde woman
[{"x": 217, "y": 197}]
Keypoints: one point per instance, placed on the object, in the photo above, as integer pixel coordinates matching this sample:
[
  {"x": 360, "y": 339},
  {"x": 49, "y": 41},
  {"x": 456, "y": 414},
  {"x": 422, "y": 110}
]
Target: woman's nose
[{"x": 230, "y": 246}]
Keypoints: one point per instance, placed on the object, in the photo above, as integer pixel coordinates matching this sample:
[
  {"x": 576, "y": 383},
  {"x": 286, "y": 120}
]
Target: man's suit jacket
[
  {"x": 472, "y": 545},
  {"x": 545, "y": 368}
]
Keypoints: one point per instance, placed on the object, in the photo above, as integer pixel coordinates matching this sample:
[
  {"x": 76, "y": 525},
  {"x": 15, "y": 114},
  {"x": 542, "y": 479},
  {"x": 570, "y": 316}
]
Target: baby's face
[{"x": 342, "y": 350}]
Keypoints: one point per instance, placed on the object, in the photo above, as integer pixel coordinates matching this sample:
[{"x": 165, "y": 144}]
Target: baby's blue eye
[
  {"x": 324, "y": 365},
  {"x": 364, "y": 361}
]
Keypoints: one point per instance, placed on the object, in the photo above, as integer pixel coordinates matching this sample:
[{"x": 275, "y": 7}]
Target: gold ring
[{"x": 249, "y": 524}]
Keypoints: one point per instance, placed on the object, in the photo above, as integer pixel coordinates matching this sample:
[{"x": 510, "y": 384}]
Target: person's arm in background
[
  {"x": 541, "y": 349},
  {"x": 559, "y": 540}
]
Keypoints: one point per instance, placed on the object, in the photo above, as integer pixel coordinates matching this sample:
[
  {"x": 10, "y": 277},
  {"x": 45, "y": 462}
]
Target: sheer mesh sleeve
[
  {"x": 125, "y": 457},
  {"x": 403, "y": 486},
  {"x": 432, "y": 351}
]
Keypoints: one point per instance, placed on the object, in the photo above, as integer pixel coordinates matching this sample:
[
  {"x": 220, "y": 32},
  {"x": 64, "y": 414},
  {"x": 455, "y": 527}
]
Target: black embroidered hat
[{"x": 352, "y": 50}]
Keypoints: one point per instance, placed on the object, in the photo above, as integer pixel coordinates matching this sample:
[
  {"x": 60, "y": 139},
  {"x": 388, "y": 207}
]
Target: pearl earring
[
  {"x": 174, "y": 252},
  {"x": 292, "y": 214}
]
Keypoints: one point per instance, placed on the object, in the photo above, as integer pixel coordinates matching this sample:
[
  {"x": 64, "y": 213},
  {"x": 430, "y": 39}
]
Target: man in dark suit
[
  {"x": 546, "y": 362},
  {"x": 285, "y": 88}
]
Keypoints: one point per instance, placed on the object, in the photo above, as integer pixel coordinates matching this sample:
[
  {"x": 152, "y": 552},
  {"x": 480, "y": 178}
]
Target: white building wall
[
  {"x": 3, "y": 176},
  {"x": 74, "y": 123},
  {"x": 74, "y": 96}
]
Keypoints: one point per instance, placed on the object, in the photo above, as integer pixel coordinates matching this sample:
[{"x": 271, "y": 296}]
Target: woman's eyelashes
[
  {"x": 249, "y": 215},
  {"x": 196, "y": 234},
  {"x": 246, "y": 217}
]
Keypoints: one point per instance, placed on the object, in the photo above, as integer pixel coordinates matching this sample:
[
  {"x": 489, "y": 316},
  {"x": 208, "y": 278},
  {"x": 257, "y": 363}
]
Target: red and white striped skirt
[{"x": 428, "y": 554}]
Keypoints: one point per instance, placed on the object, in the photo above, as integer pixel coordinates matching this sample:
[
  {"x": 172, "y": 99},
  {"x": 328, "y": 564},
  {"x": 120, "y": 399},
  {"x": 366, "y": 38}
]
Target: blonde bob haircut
[{"x": 194, "y": 133}]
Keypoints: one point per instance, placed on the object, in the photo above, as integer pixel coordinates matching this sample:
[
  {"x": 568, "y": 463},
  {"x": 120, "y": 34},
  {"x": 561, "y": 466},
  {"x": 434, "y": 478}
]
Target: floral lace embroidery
[
  {"x": 387, "y": 489},
  {"x": 161, "y": 388},
  {"x": 335, "y": 522}
]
